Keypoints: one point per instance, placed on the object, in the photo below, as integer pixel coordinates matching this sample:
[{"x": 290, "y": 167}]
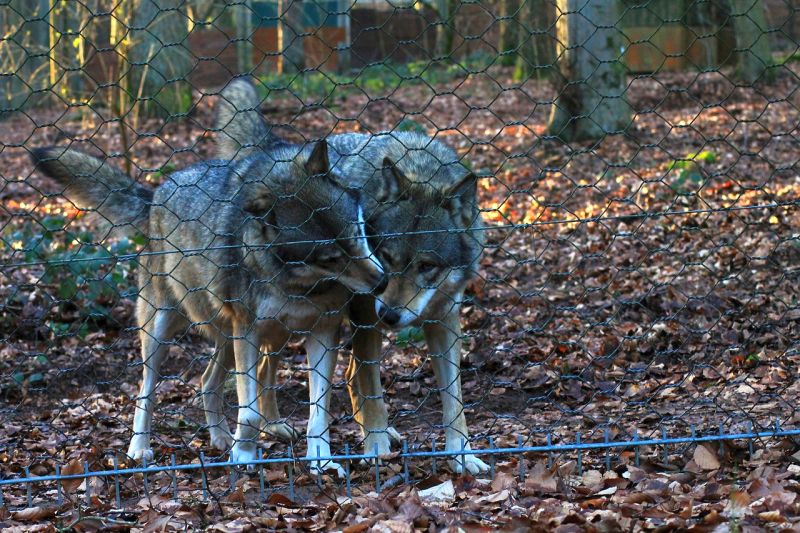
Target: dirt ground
[{"x": 642, "y": 286}]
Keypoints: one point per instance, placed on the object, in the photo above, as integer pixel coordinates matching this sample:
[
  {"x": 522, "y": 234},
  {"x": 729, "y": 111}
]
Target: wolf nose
[
  {"x": 382, "y": 284},
  {"x": 389, "y": 316}
]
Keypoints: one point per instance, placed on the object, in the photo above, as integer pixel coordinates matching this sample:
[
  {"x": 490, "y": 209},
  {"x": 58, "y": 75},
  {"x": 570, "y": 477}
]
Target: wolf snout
[
  {"x": 388, "y": 315},
  {"x": 382, "y": 284}
]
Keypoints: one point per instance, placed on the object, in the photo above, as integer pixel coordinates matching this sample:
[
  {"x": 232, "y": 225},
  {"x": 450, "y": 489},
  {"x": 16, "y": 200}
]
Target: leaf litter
[{"x": 641, "y": 289}]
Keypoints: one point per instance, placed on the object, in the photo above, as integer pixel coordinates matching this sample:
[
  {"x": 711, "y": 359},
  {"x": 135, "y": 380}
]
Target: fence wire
[{"x": 598, "y": 200}]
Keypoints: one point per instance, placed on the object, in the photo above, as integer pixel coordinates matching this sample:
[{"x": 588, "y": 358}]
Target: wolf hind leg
[
  {"x": 366, "y": 392},
  {"x": 212, "y": 383},
  {"x": 157, "y": 328},
  {"x": 272, "y": 423}
]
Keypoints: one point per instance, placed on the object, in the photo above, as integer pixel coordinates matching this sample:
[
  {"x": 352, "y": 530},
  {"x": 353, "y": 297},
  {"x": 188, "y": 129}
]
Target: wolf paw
[
  {"x": 281, "y": 431},
  {"x": 382, "y": 441},
  {"x": 321, "y": 467},
  {"x": 244, "y": 453},
  {"x": 221, "y": 439},
  {"x": 468, "y": 463},
  {"x": 139, "y": 450}
]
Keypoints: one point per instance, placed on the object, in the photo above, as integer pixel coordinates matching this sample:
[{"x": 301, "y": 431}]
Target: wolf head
[
  {"x": 313, "y": 225},
  {"x": 424, "y": 233}
]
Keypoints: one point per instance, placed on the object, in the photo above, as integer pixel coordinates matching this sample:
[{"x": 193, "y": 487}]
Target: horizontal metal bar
[{"x": 566, "y": 447}]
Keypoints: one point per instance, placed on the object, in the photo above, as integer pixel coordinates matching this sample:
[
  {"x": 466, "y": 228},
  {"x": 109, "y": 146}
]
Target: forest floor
[{"x": 645, "y": 285}]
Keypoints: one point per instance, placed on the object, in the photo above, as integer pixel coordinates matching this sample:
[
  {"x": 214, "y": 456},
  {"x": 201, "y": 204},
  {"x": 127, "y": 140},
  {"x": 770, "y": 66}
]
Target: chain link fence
[{"x": 597, "y": 199}]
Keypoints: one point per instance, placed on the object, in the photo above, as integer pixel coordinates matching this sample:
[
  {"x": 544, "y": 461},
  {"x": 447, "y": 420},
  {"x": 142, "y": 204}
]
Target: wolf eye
[{"x": 426, "y": 266}]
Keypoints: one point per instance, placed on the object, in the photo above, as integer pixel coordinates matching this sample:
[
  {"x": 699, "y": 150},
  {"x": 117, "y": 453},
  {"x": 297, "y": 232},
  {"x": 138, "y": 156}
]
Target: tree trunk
[
  {"x": 591, "y": 78},
  {"x": 290, "y": 39},
  {"x": 508, "y": 11},
  {"x": 752, "y": 40},
  {"x": 445, "y": 34},
  {"x": 159, "y": 57},
  {"x": 242, "y": 18},
  {"x": 25, "y": 55}
]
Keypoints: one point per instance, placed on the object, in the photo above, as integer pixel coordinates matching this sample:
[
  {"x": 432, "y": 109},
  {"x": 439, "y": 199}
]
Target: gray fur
[
  {"x": 258, "y": 249},
  {"x": 241, "y": 129},
  {"x": 424, "y": 224},
  {"x": 94, "y": 184}
]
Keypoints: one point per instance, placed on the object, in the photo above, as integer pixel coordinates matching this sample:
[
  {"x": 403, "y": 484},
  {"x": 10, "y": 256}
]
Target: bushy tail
[
  {"x": 93, "y": 184},
  {"x": 241, "y": 129}
]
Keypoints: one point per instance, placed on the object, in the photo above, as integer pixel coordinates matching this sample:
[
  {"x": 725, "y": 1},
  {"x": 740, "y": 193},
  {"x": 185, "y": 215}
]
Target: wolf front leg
[
  {"x": 157, "y": 327},
  {"x": 245, "y": 347},
  {"x": 322, "y": 350},
  {"x": 212, "y": 384},
  {"x": 444, "y": 343}
]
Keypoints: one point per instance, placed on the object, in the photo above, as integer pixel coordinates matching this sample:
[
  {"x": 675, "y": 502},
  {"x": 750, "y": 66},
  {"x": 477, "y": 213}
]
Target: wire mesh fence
[{"x": 212, "y": 200}]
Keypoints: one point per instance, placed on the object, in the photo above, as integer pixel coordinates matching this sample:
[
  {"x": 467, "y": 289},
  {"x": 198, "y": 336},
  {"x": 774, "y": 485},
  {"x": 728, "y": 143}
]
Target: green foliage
[
  {"x": 409, "y": 336},
  {"x": 409, "y": 125},
  {"x": 77, "y": 274},
  {"x": 689, "y": 176},
  {"x": 376, "y": 81}
]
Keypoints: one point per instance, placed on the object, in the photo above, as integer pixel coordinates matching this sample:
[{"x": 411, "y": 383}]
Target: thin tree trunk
[
  {"x": 446, "y": 29},
  {"x": 290, "y": 39},
  {"x": 591, "y": 83},
  {"x": 28, "y": 57},
  {"x": 159, "y": 58},
  {"x": 752, "y": 40},
  {"x": 244, "y": 33},
  {"x": 507, "y": 31}
]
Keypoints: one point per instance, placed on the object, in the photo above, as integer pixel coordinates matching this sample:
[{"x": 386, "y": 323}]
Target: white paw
[
  {"x": 221, "y": 439},
  {"x": 139, "y": 450},
  {"x": 378, "y": 440},
  {"x": 321, "y": 467},
  {"x": 244, "y": 452},
  {"x": 474, "y": 466},
  {"x": 281, "y": 431}
]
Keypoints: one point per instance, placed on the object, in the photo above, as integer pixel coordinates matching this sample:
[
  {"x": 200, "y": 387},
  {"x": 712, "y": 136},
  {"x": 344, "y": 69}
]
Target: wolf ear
[
  {"x": 394, "y": 183},
  {"x": 465, "y": 189},
  {"x": 318, "y": 163},
  {"x": 461, "y": 198}
]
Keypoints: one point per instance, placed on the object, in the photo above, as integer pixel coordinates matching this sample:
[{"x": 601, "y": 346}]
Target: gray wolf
[
  {"x": 424, "y": 225},
  {"x": 250, "y": 252}
]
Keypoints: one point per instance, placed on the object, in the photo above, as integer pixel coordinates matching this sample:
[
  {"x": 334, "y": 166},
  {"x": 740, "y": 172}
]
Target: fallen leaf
[
  {"x": 607, "y": 492},
  {"x": 495, "y": 497},
  {"x": 35, "y": 514},
  {"x": 504, "y": 480},
  {"x": 772, "y": 516},
  {"x": 542, "y": 479},
  {"x": 393, "y": 526},
  {"x": 705, "y": 458},
  {"x": 70, "y": 469}
]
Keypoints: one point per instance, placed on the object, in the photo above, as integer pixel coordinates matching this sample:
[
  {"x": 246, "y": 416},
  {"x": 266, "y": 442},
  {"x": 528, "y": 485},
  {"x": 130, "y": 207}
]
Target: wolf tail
[
  {"x": 93, "y": 184},
  {"x": 241, "y": 128}
]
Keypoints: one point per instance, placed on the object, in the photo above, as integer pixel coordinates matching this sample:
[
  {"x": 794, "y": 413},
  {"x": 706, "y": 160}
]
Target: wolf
[
  {"x": 425, "y": 227},
  {"x": 250, "y": 252}
]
